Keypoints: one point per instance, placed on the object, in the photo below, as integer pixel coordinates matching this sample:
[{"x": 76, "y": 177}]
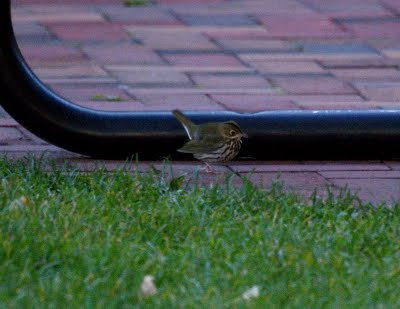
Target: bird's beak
[{"x": 245, "y": 135}]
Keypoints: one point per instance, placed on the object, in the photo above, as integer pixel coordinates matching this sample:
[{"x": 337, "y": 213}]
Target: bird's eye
[{"x": 233, "y": 132}]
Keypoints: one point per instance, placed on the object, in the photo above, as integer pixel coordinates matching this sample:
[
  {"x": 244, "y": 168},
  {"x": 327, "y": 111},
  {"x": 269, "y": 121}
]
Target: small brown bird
[{"x": 212, "y": 141}]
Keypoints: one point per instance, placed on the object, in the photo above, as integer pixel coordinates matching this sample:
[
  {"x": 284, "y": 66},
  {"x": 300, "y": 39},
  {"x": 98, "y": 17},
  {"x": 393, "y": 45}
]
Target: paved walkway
[{"x": 240, "y": 55}]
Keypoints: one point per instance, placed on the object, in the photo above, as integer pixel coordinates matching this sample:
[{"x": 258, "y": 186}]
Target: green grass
[{"x": 87, "y": 240}]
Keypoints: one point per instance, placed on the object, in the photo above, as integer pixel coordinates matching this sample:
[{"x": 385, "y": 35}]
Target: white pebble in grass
[
  {"x": 148, "y": 287},
  {"x": 253, "y": 292},
  {"x": 23, "y": 200}
]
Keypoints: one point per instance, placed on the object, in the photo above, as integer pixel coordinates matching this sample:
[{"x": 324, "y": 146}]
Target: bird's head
[{"x": 231, "y": 130}]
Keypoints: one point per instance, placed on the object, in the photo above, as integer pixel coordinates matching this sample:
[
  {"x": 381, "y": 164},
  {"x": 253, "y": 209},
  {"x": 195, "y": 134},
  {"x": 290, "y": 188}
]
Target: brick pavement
[{"x": 242, "y": 55}]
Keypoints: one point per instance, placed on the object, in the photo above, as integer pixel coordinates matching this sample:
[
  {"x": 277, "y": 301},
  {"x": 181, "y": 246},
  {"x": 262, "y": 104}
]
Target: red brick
[
  {"x": 87, "y": 93},
  {"x": 393, "y": 164},
  {"x": 253, "y": 103},
  {"x": 88, "y": 31},
  {"x": 203, "y": 60},
  {"x": 303, "y": 183},
  {"x": 325, "y": 98},
  {"x": 187, "y": 1},
  {"x": 358, "y": 63},
  {"x": 319, "y": 3},
  {"x": 130, "y": 106},
  {"x": 9, "y": 134},
  {"x": 189, "y": 167},
  {"x": 380, "y": 91},
  {"x": 182, "y": 101},
  {"x": 351, "y": 9},
  {"x": 174, "y": 105},
  {"x": 388, "y": 105},
  {"x": 79, "y": 81},
  {"x": 173, "y": 169},
  {"x": 302, "y": 56},
  {"x": 285, "y": 67},
  {"x": 30, "y": 138},
  {"x": 375, "y": 30},
  {"x": 305, "y": 26},
  {"x": 171, "y": 68},
  {"x": 51, "y": 53},
  {"x": 392, "y": 4},
  {"x": 146, "y": 15},
  {"x": 360, "y": 174},
  {"x": 273, "y": 7},
  {"x": 225, "y": 81},
  {"x": 267, "y": 7},
  {"x": 209, "y": 91},
  {"x": 307, "y": 166},
  {"x": 157, "y": 77},
  {"x": 383, "y": 43},
  {"x": 7, "y": 122},
  {"x": 55, "y": 7},
  {"x": 339, "y": 105},
  {"x": 367, "y": 74},
  {"x": 251, "y": 33},
  {"x": 393, "y": 53},
  {"x": 62, "y": 2},
  {"x": 69, "y": 70},
  {"x": 374, "y": 190},
  {"x": 248, "y": 44},
  {"x": 372, "y": 12},
  {"x": 65, "y": 15},
  {"x": 171, "y": 38},
  {"x": 29, "y": 29},
  {"x": 320, "y": 85},
  {"x": 59, "y": 156},
  {"x": 27, "y": 148},
  {"x": 122, "y": 53}
]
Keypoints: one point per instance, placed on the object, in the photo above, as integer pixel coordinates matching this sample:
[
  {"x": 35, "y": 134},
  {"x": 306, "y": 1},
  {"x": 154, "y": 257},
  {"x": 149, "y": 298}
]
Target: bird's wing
[{"x": 202, "y": 146}]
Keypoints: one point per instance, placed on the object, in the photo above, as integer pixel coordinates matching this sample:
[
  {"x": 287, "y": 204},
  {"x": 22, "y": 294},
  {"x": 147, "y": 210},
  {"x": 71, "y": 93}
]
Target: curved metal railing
[{"x": 277, "y": 134}]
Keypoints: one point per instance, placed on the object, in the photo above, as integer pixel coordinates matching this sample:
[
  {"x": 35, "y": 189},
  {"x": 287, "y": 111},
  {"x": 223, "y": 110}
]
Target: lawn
[{"x": 70, "y": 239}]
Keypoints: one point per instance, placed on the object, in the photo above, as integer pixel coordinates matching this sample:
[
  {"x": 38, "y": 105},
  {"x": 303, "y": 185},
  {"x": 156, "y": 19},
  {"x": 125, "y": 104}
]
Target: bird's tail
[{"x": 188, "y": 125}]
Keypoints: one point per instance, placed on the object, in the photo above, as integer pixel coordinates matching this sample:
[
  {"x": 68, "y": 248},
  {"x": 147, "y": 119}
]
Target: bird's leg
[{"x": 209, "y": 168}]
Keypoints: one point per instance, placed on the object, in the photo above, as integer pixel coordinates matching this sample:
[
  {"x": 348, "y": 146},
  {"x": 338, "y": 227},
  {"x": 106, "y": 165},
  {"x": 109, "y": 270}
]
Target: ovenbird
[{"x": 212, "y": 141}]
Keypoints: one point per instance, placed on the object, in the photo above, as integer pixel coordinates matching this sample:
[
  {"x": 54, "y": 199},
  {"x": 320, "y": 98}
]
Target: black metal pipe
[{"x": 278, "y": 135}]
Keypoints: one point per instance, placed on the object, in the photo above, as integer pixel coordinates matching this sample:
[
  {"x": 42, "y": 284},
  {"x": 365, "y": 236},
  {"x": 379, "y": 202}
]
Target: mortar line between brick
[
  {"x": 233, "y": 53},
  {"x": 120, "y": 84},
  {"x": 357, "y": 91},
  {"x": 309, "y": 6},
  {"x": 299, "y": 106},
  {"x": 217, "y": 101},
  {"x": 390, "y": 8},
  {"x": 388, "y": 166},
  {"x": 176, "y": 16},
  {"x": 25, "y": 137},
  {"x": 234, "y": 172},
  {"x": 160, "y": 54}
]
